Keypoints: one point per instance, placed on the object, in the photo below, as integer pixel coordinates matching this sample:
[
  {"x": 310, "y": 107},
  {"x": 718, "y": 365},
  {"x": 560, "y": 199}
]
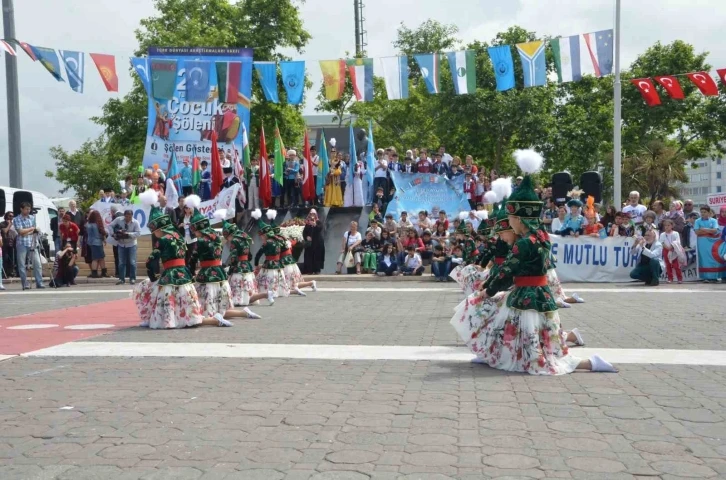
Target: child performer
[
  {"x": 270, "y": 278},
  {"x": 242, "y": 280},
  {"x": 293, "y": 276}
]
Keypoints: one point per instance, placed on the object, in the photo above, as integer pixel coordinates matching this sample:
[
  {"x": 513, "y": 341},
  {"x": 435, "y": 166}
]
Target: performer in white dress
[{"x": 354, "y": 194}]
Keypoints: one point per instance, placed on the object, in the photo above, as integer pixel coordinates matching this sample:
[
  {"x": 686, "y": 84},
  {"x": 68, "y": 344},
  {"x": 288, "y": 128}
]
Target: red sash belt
[
  {"x": 538, "y": 281},
  {"x": 179, "y": 262},
  {"x": 286, "y": 253},
  {"x": 243, "y": 258},
  {"x": 210, "y": 263},
  {"x": 499, "y": 260},
  {"x": 272, "y": 258}
]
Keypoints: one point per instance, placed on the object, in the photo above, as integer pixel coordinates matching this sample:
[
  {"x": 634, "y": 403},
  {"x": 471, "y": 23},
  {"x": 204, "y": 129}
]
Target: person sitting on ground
[
  {"x": 375, "y": 213},
  {"x": 390, "y": 226},
  {"x": 440, "y": 264},
  {"x": 369, "y": 252},
  {"x": 410, "y": 240},
  {"x": 387, "y": 266},
  {"x": 386, "y": 239},
  {"x": 412, "y": 262},
  {"x": 65, "y": 269},
  {"x": 375, "y": 229},
  {"x": 649, "y": 266},
  {"x": 441, "y": 235},
  {"x": 428, "y": 251},
  {"x": 403, "y": 225}
]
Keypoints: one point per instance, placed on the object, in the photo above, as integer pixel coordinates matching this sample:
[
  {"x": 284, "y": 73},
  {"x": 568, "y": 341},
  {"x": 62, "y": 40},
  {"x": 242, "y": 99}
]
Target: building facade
[{"x": 706, "y": 176}]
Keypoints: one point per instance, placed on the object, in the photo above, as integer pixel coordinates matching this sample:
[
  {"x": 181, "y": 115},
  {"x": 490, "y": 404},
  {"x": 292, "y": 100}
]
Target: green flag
[
  {"x": 163, "y": 78},
  {"x": 280, "y": 154},
  {"x": 196, "y": 171},
  {"x": 245, "y": 148}
]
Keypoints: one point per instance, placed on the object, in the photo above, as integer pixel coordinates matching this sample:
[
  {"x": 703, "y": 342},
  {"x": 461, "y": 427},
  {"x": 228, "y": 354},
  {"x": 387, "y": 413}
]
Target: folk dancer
[
  {"x": 270, "y": 279},
  {"x": 242, "y": 279}
]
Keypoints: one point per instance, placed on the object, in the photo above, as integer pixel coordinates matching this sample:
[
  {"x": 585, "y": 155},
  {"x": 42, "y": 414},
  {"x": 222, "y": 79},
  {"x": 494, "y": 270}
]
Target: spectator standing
[
  {"x": 252, "y": 177},
  {"x": 292, "y": 169},
  {"x": 380, "y": 176},
  {"x": 549, "y": 213},
  {"x": 54, "y": 227},
  {"x": 205, "y": 183},
  {"x": 439, "y": 167},
  {"x": 126, "y": 230},
  {"x": 166, "y": 209},
  {"x": 423, "y": 165},
  {"x": 574, "y": 221},
  {"x": 470, "y": 190},
  {"x": 111, "y": 240},
  {"x": 609, "y": 218},
  {"x": 469, "y": 166},
  {"x": 649, "y": 266},
  {"x": 8, "y": 236},
  {"x": 688, "y": 208},
  {"x": 27, "y": 244},
  {"x": 706, "y": 228},
  {"x": 408, "y": 166},
  {"x": 96, "y": 232},
  {"x": 186, "y": 178},
  {"x": 314, "y": 260},
  {"x": 676, "y": 214},
  {"x": 65, "y": 269},
  {"x": 2, "y": 272},
  {"x": 634, "y": 209},
  {"x": 445, "y": 157},
  {"x": 672, "y": 250},
  {"x": 77, "y": 216},
  {"x": 315, "y": 161},
  {"x": 660, "y": 214},
  {"x": 558, "y": 223}
]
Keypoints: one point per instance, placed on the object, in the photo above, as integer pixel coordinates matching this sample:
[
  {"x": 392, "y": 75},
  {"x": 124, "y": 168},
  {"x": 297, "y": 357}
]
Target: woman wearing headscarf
[
  {"x": 314, "y": 259},
  {"x": 679, "y": 219}
]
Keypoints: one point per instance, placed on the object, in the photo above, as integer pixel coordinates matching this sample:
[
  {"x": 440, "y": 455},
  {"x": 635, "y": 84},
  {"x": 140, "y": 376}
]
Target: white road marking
[
  {"x": 5, "y": 357},
  {"x": 34, "y": 326},
  {"x": 355, "y": 352},
  {"x": 90, "y": 326}
]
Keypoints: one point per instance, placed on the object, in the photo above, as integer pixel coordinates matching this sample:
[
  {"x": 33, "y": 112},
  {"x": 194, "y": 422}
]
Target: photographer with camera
[
  {"x": 126, "y": 230},
  {"x": 27, "y": 244},
  {"x": 65, "y": 269}
]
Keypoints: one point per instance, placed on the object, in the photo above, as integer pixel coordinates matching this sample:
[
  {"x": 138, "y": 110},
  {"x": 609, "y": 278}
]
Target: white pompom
[
  {"x": 502, "y": 187},
  {"x": 333, "y": 142},
  {"x": 463, "y": 215},
  {"x": 149, "y": 197},
  {"x": 271, "y": 214},
  {"x": 482, "y": 214},
  {"x": 529, "y": 160},
  {"x": 192, "y": 201},
  {"x": 256, "y": 214},
  {"x": 220, "y": 214},
  {"x": 491, "y": 197}
]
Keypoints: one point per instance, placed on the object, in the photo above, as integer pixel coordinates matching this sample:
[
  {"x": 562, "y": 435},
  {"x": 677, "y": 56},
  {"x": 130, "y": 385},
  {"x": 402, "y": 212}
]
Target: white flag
[
  {"x": 172, "y": 196},
  {"x": 395, "y": 74}
]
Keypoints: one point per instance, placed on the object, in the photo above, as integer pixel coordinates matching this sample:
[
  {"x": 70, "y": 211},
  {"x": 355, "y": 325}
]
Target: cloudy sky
[{"x": 51, "y": 114}]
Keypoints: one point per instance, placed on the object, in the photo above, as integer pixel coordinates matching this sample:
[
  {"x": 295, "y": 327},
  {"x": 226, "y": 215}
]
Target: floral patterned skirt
[
  {"x": 514, "y": 340},
  {"x": 472, "y": 279},
  {"x": 555, "y": 286},
  {"x": 273, "y": 281},
  {"x": 243, "y": 285},
  {"x": 144, "y": 300},
  {"x": 457, "y": 275},
  {"x": 174, "y": 307},
  {"x": 293, "y": 276},
  {"x": 214, "y": 297}
]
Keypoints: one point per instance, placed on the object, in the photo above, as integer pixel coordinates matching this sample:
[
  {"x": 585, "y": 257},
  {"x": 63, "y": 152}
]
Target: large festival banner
[
  {"x": 604, "y": 260},
  {"x": 193, "y": 92},
  {"x": 427, "y": 191},
  {"x": 225, "y": 200}
]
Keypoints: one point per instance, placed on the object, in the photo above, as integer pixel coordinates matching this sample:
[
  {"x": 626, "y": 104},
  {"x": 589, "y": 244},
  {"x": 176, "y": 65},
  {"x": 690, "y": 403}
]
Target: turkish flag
[
  {"x": 722, "y": 75},
  {"x": 672, "y": 86},
  {"x": 308, "y": 187},
  {"x": 106, "y": 65},
  {"x": 217, "y": 176},
  {"x": 647, "y": 90},
  {"x": 705, "y": 83},
  {"x": 265, "y": 185}
]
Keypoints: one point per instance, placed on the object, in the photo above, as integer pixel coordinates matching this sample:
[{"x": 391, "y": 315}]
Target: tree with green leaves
[{"x": 654, "y": 170}]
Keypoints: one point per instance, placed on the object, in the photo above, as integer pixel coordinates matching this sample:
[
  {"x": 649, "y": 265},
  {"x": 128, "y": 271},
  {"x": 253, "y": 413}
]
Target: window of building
[
  {"x": 718, "y": 189},
  {"x": 704, "y": 190},
  {"x": 718, "y": 161},
  {"x": 718, "y": 175},
  {"x": 705, "y": 177}
]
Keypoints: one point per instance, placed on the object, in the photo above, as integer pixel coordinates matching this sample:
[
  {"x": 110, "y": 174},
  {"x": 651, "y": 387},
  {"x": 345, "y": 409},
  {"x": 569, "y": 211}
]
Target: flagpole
[
  {"x": 15, "y": 161},
  {"x": 617, "y": 118}
]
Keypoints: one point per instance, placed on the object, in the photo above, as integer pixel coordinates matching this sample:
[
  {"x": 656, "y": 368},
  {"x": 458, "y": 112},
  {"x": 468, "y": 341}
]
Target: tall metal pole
[
  {"x": 617, "y": 118},
  {"x": 15, "y": 162},
  {"x": 358, "y": 46}
]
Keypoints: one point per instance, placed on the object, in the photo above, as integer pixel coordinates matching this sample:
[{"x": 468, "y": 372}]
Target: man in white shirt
[
  {"x": 380, "y": 177},
  {"x": 316, "y": 162},
  {"x": 649, "y": 266},
  {"x": 634, "y": 209},
  {"x": 412, "y": 264},
  {"x": 445, "y": 157}
]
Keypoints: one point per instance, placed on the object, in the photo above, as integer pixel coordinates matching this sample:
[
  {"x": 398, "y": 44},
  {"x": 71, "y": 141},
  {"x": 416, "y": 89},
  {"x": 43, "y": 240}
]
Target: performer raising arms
[
  {"x": 242, "y": 280},
  {"x": 270, "y": 279},
  {"x": 212, "y": 286},
  {"x": 172, "y": 301},
  {"x": 525, "y": 335}
]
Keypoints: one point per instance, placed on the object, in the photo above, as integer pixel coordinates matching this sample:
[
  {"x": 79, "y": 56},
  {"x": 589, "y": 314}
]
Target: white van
[{"x": 43, "y": 209}]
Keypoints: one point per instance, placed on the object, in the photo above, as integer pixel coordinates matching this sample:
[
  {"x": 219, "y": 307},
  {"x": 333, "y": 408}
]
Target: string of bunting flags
[
  {"x": 672, "y": 86},
  {"x": 575, "y": 56}
]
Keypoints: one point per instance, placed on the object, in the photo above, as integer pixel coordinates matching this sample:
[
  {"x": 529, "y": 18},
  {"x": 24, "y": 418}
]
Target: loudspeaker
[
  {"x": 591, "y": 183},
  {"x": 19, "y": 197},
  {"x": 2, "y": 202},
  {"x": 561, "y": 184}
]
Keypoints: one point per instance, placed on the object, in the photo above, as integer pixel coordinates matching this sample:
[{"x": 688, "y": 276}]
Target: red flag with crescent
[
  {"x": 705, "y": 83},
  {"x": 672, "y": 86},
  {"x": 722, "y": 75},
  {"x": 647, "y": 90}
]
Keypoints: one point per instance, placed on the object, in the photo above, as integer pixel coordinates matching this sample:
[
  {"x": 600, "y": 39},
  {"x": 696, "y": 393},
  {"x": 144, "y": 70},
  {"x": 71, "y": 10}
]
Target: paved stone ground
[{"x": 209, "y": 419}]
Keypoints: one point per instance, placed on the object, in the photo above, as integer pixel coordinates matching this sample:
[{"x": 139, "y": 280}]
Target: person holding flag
[
  {"x": 323, "y": 169},
  {"x": 308, "y": 184},
  {"x": 265, "y": 181}
]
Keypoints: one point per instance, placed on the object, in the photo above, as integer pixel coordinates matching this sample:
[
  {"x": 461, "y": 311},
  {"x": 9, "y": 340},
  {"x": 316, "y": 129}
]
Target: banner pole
[
  {"x": 15, "y": 160},
  {"x": 617, "y": 117}
]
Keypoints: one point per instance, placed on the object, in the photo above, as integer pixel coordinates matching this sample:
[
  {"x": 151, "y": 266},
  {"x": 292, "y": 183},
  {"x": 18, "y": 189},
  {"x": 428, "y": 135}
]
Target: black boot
[
  {"x": 104, "y": 273},
  {"x": 94, "y": 274}
]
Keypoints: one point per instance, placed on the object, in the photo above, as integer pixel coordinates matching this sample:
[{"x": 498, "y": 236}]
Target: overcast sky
[{"x": 51, "y": 114}]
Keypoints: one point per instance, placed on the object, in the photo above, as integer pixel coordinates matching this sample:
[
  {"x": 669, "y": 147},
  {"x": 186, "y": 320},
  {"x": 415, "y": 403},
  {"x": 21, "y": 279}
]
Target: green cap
[
  {"x": 229, "y": 228},
  {"x": 158, "y": 218},
  {"x": 200, "y": 222},
  {"x": 524, "y": 202},
  {"x": 502, "y": 224}
]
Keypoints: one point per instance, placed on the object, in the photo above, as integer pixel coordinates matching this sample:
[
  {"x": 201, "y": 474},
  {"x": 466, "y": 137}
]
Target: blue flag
[
  {"x": 353, "y": 157},
  {"x": 141, "y": 67},
  {"x": 196, "y": 75},
  {"x": 49, "y": 59},
  {"x": 173, "y": 172},
  {"x": 267, "y": 74},
  {"x": 429, "y": 65},
  {"x": 324, "y": 167},
  {"x": 503, "y": 66},
  {"x": 371, "y": 162},
  {"x": 293, "y": 78},
  {"x": 74, "y": 62},
  {"x": 532, "y": 55},
  {"x": 604, "y": 43}
]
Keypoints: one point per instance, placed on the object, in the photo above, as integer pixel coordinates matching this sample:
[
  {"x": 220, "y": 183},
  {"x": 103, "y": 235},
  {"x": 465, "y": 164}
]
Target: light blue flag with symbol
[
  {"x": 503, "y": 66},
  {"x": 353, "y": 157},
  {"x": 293, "y": 78},
  {"x": 324, "y": 165},
  {"x": 49, "y": 59},
  {"x": 141, "y": 67},
  {"x": 267, "y": 75},
  {"x": 429, "y": 65},
  {"x": 532, "y": 55},
  {"x": 196, "y": 76},
  {"x": 74, "y": 62},
  {"x": 370, "y": 162},
  {"x": 173, "y": 172}
]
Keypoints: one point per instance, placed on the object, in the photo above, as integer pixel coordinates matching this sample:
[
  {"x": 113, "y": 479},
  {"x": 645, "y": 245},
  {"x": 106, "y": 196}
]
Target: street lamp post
[
  {"x": 15, "y": 162},
  {"x": 617, "y": 117}
]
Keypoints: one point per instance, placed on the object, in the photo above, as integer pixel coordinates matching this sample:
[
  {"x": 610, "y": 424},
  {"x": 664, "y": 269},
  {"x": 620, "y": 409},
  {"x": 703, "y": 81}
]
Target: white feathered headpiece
[
  {"x": 491, "y": 197},
  {"x": 149, "y": 197},
  {"x": 463, "y": 215},
  {"x": 192, "y": 201},
  {"x": 482, "y": 214},
  {"x": 271, "y": 214},
  {"x": 502, "y": 187},
  {"x": 220, "y": 214},
  {"x": 529, "y": 161},
  {"x": 256, "y": 214}
]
